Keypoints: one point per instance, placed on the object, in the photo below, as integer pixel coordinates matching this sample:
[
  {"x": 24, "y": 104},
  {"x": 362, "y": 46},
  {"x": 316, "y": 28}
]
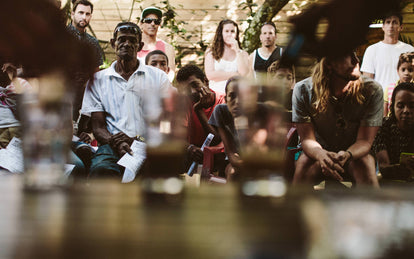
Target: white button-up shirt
[{"x": 122, "y": 100}]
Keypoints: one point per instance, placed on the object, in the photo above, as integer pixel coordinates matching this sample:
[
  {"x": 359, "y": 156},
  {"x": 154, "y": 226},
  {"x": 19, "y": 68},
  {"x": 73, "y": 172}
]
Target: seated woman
[
  {"x": 225, "y": 58},
  {"x": 223, "y": 120},
  {"x": 396, "y": 136}
]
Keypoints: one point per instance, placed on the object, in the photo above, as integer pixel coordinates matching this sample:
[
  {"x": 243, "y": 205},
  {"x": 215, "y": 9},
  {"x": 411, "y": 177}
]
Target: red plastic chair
[{"x": 208, "y": 164}]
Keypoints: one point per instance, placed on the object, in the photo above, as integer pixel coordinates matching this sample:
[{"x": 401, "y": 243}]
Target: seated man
[
  {"x": 337, "y": 113},
  {"x": 9, "y": 124},
  {"x": 114, "y": 97},
  {"x": 194, "y": 83},
  {"x": 158, "y": 58}
]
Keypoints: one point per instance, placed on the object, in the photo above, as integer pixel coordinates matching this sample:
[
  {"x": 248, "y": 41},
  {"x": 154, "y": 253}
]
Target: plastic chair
[{"x": 208, "y": 164}]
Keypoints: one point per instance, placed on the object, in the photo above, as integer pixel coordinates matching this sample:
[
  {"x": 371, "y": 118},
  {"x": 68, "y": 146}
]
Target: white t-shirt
[
  {"x": 123, "y": 100},
  {"x": 381, "y": 59}
]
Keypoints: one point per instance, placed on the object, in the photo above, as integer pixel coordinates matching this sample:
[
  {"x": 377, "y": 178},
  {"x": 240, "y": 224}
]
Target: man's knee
[
  {"x": 306, "y": 169},
  {"x": 363, "y": 170},
  {"x": 104, "y": 163},
  {"x": 365, "y": 162}
]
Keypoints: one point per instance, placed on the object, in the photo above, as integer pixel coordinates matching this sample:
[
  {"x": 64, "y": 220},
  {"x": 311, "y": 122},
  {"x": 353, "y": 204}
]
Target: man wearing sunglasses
[
  {"x": 149, "y": 23},
  {"x": 115, "y": 97},
  {"x": 337, "y": 113}
]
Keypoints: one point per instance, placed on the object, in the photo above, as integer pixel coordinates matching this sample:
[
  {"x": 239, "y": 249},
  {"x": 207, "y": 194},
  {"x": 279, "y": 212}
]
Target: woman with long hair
[
  {"x": 225, "y": 58},
  {"x": 394, "y": 143}
]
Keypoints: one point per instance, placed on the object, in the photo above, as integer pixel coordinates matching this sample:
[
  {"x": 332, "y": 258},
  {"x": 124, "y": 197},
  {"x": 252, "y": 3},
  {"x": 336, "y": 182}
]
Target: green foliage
[
  {"x": 106, "y": 64},
  {"x": 258, "y": 16},
  {"x": 177, "y": 33}
]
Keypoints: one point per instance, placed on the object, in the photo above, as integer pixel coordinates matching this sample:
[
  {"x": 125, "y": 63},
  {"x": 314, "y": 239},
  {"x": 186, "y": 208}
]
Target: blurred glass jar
[
  {"x": 262, "y": 128},
  {"x": 166, "y": 142},
  {"x": 45, "y": 113}
]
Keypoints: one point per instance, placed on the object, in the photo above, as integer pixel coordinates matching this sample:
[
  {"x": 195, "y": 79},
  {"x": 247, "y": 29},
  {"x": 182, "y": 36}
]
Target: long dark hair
[
  {"x": 400, "y": 87},
  {"x": 218, "y": 42}
]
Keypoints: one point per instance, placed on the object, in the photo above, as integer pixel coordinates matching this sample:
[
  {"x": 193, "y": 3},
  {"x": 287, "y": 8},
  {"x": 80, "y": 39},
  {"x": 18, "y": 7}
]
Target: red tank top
[{"x": 160, "y": 45}]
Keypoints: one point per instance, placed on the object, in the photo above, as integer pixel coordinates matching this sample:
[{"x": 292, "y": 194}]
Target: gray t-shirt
[
  {"x": 222, "y": 118},
  {"x": 7, "y": 118},
  {"x": 337, "y": 128}
]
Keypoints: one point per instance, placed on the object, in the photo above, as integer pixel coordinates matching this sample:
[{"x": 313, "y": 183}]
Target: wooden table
[{"x": 112, "y": 220}]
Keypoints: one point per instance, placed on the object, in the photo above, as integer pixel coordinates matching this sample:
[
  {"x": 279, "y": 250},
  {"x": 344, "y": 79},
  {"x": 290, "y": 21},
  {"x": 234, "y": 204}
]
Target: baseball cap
[{"x": 150, "y": 10}]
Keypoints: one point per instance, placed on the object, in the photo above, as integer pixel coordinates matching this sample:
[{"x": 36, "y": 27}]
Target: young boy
[
  {"x": 405, "y": 70},
  {"x": 158, "y": 59},
  {"x": 283, "y": 76}
]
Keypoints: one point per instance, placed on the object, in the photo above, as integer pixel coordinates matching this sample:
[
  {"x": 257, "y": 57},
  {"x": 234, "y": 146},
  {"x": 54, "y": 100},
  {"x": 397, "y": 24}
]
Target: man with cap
[
  {"x": 151, "y": 18},
  {"x": 114, "y": 99}
]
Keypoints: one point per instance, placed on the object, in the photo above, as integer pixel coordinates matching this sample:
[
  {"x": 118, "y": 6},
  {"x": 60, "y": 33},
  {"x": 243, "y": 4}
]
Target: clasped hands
[
  {"x": 121, "y": 143},
  {"x": 332, "y": 163}
]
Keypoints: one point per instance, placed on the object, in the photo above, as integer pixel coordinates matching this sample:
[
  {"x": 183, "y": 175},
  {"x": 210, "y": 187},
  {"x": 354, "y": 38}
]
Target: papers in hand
[
  {"x": 133, "y": 163},
  {"x": 11, "y": 158}
]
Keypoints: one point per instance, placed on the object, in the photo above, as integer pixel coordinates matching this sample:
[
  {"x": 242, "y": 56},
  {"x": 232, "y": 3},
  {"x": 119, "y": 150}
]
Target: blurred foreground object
[
  {"x": 262, "y": 129},
  {"x": 166, "y": 144},
  {"x": 34, "y": 36},
  {"x": 47, "y": 132},
  {"x": 348, "y": 24}
]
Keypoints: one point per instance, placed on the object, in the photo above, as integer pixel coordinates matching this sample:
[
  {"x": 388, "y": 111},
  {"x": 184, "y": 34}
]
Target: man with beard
[
  {"x": 263, "y": 57},
  {"x": 337, "y": 113},
  {"x": 81, "y": 16},
  {"x": 115, "y": 97}
]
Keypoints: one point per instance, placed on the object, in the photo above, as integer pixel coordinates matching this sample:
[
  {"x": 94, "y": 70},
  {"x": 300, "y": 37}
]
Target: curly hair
[
  {"x": 321, "y": 80},
  {"x": 217, "y": 47},
  {"x": 190, "y": 70}
]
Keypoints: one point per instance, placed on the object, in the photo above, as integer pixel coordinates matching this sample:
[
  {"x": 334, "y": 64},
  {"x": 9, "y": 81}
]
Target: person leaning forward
[
  {"x": 113, "y": 99},
  {"x": 337, "y": 113}
]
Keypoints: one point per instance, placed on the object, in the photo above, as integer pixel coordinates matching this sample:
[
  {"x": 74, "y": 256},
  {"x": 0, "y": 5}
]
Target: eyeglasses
[
  {"x": 127, "y": 28},
  {"x": 150, "y": 20}
]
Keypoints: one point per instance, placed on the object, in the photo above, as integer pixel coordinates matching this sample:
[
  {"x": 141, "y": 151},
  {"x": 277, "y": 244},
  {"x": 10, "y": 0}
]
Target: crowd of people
[{"x": 351, "y": 121}]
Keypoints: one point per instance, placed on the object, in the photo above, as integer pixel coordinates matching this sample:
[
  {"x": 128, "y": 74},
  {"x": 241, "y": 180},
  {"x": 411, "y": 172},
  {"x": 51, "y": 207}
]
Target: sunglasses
[
  {"x": 150, "y": 20},
  {"x": 127, "y": 28}
]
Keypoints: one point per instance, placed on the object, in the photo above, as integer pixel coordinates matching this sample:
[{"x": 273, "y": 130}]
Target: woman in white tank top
[{"x": 225, "y": 58}]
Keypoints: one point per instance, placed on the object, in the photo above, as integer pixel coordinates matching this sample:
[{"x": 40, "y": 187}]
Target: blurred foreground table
[{"x": 112, "y": 220}]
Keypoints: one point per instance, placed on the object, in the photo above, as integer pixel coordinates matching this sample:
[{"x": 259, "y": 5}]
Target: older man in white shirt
[{"x": 115, "y": 100}]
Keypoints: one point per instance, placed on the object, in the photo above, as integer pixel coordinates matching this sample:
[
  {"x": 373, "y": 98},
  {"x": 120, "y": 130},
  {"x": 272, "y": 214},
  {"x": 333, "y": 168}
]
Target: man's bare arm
[
  {"x": 169, "y": 51},
  {"x": 368, "y": 74},
  {"x": 363, "y": 143},
  {"x": 99, "y": 129}
]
